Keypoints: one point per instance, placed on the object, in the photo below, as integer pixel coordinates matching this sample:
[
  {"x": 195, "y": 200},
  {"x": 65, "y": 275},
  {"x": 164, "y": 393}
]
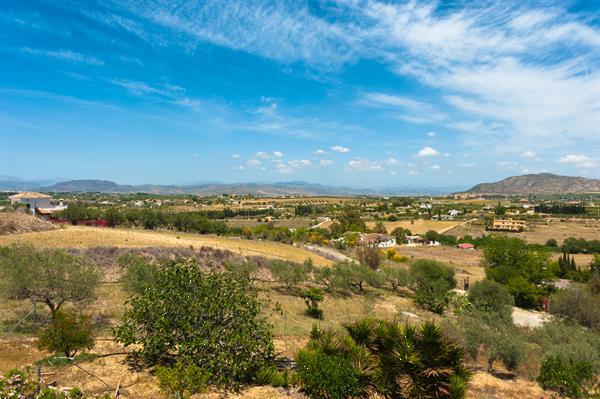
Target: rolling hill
[{"x": 541, "y": 183}]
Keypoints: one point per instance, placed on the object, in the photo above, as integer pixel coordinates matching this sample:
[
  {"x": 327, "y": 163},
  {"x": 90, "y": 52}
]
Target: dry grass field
[
  {"x": 11, "y": 223},
  {"x": 294, "y": 223},
  {"x": 85, "y": 237},
  {"x": 419, "y": 226}
]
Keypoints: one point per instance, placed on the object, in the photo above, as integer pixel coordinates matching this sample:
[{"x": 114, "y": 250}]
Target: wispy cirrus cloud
[{"x": 65, "y": 55}]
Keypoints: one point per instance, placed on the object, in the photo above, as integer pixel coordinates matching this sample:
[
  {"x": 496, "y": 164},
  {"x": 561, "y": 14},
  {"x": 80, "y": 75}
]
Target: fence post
[{"x": 38, "y": 388}]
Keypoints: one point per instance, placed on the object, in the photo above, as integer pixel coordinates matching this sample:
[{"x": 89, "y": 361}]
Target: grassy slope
[{"x": 84, "y": 237}]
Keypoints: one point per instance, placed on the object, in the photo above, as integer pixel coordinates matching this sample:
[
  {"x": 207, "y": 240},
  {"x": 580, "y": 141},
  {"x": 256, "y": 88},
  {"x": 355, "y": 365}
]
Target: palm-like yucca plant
[{"x": 405, "y": 361}]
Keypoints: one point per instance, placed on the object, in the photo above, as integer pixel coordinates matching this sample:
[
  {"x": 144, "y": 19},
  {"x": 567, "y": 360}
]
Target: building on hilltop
[
  {"x": 38, "y": 203},
  {"x": 31, "y": 200}
]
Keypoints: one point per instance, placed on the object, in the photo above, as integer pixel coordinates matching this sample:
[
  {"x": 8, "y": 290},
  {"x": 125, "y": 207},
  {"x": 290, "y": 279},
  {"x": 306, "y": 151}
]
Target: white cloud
[
  {"x": 325, "y": 162},
  {"x": 435, "y": 167},
  {"x": 236, "y": 156},
  {"x": 427, "y": 152},
  {"x": 262, "y": 155},
  {"x": 392, "y": 162},
  {"x": 431, "y": 134},
  {"x": 363, "y": 165},
  {"x": 65, "y": 55},
  {"x": 467, "y": 165},
  {"x": 320, "y": 152},
  {"x": 340, "y": 149},
  {"x": 529, "y": 154},
  {"x": 579, "y": 161},
  {"x": 301, "y": 163},
  {"x": 253, "y": 162},
  {"x": 277, "y": 154},
  {"x": 292, "y": 166}
]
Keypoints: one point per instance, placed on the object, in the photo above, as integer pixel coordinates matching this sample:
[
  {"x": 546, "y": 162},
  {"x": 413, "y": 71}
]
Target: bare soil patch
[{"x": 14, "y": 223}]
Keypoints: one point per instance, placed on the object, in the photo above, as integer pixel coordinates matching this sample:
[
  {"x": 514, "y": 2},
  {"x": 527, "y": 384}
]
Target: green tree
[
  {"x": 396, "y": 276},
  {"x": 289, "y": 273},
  {"x": 67, "y": 333},
  {"x": 488, "y": 296},
  {"x": 327, "y": 376},
  {"x": 499, "y": 209},
  {"x": 312, "y": 297},
  {"x": 53, "y": 277},
  {"x": 355, "y": 276},
  {"x": 113, "y": 217},
  {"x": 400, "y": 234},
  {"x": 432, "y": 282},
  {"x": 213, "y": 320}
]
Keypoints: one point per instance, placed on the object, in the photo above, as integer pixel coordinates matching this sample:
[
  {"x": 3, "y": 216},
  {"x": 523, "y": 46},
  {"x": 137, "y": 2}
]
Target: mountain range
[
  {"x": 541, "y": 183},
  {"x": 216, "y": 188}
]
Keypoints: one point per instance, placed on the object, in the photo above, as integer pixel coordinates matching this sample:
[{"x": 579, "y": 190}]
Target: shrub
[
  {"x": 182, "y": 380},
  {"x": 579, "y": 304},
  {"x": 327, "y": 376},
  {"x": 570, "y": 378},
  {"x": 552, "y": 243},
  {"x": 137, "y": 273},
  {"x": 498, "y": 337},
  {"x": 487, "y": 296},
  {"x": 356, "y": 276},
  {"x": 312, "y": 297},
  {"x": 209, "y": 319},
  {"x": 432, "y": 281},
  {"x": 67, "y": 333},
  {"x": 369, "y": 256},
  {"x": 271, "y": 376}
]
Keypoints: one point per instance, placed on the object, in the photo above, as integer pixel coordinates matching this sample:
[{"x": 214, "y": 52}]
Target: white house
[
  {"x": 378, "y": 240},
  {"x": 32, "y": 200},
  {"x": 453, "y": 212}
]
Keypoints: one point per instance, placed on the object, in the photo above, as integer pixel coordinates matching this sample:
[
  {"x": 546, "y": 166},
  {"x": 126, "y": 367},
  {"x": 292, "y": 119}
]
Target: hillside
[{"x": 542, "y": 183}]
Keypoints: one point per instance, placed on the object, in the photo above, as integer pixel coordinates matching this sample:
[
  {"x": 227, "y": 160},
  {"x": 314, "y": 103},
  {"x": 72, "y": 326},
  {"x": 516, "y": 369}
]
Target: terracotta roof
[{"x": 29, "y": 194}]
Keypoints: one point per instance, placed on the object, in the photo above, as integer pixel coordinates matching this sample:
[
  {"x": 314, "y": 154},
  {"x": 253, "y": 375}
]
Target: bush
[
  {"x": 312, "y": 297},
  {"x": 497, "y": 337},
  {"x": 570, "y": 378},
  {"x": 487, "y": 296},
  {"x": 213, "y": 320},
  {"x": 182, "y": 380},
  {"x": 327, "y": 376},
  {"x": 369, "y": 256},
  {"x": 16, "y": 384},
  {"x": 579, "y": 304},
  {"x": 432, "y": 281},
  {"x": 137, "y": 273},
  {"x": 271, "y": 376},
  {"x": 67, "y": 333},
  {"x": 397, "y": 361}
]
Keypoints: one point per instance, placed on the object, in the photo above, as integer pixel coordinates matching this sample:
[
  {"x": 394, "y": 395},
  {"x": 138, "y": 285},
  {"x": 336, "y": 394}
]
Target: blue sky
[{"x": 342, "y": 92}]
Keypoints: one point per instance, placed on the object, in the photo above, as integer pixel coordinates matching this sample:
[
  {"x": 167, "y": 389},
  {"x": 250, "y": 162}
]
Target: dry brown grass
[
  {"x": 86, "y": 237},
  {"x": 419, "y": 226}
]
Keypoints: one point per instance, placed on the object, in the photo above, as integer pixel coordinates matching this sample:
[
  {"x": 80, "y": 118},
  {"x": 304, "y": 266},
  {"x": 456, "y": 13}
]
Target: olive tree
[
  {"x": 213, "y": 320},
  {"x": 53, "y": 277}
]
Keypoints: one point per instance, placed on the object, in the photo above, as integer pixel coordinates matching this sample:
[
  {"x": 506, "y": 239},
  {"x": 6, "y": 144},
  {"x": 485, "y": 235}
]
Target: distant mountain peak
[{"x": 540, "y": 183}]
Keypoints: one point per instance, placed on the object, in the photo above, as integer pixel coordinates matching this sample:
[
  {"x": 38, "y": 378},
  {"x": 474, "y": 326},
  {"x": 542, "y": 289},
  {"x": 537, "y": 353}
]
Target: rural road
[
  {"x": 328, "y": 253},
  {"x": 442, "y": 231}
]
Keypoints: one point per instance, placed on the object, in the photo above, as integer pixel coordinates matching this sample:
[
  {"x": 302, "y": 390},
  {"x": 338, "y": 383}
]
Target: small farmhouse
[
  {"x": 32, "y": 200},
  {"x": 378, "y": 240},
  {"x": 466, "y": 246}
]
